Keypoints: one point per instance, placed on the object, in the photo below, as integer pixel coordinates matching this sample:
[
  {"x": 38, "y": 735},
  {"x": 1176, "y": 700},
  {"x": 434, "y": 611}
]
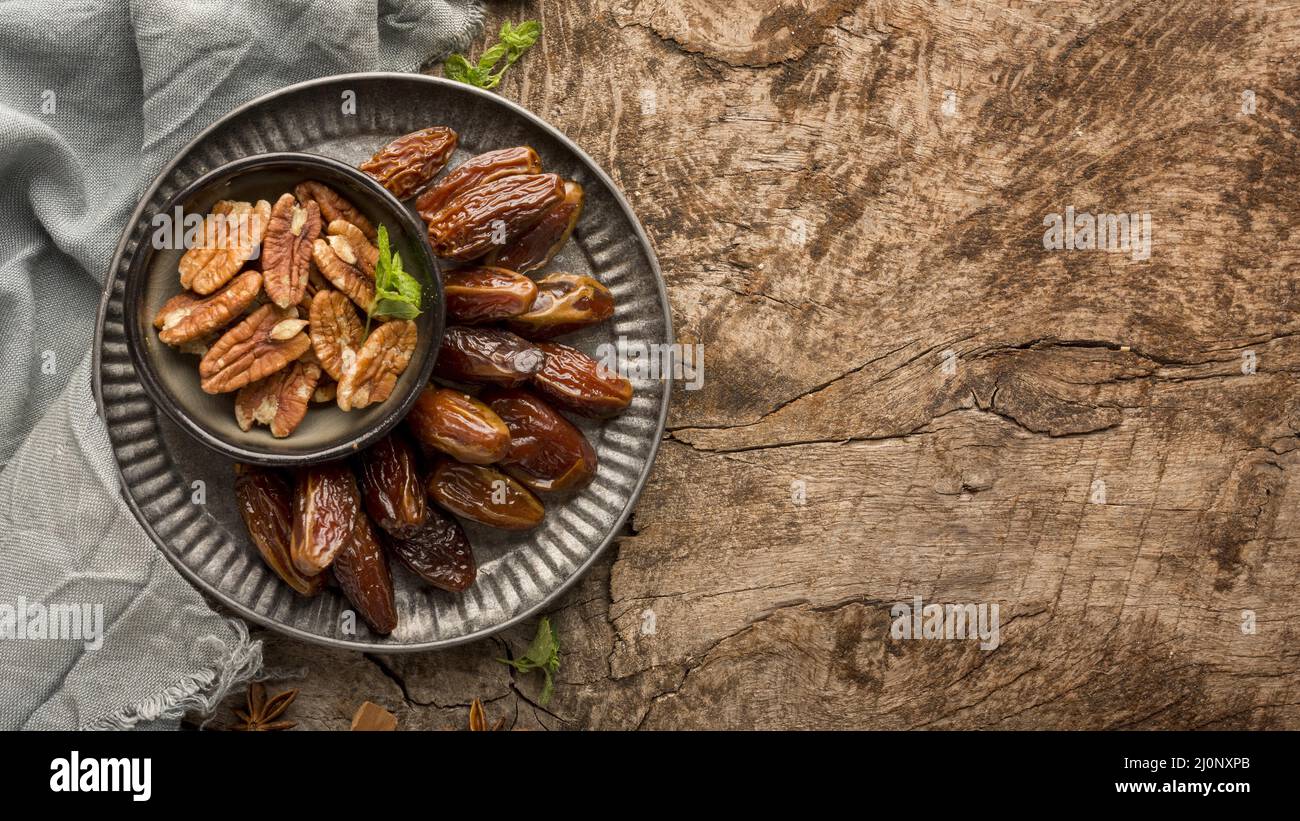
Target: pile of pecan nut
[
  {"x": 485, "y": 441},
  {"x": 281, "y": 327}
]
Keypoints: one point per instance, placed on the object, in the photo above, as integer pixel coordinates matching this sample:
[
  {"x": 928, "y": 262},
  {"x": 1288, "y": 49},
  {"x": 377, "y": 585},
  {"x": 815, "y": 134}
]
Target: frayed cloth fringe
[{"x": 199, "y": 693}]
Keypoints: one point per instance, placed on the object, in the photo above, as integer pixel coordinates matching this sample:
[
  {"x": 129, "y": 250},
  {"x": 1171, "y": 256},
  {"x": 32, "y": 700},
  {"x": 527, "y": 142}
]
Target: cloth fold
[{"x": 95, "y": 96}]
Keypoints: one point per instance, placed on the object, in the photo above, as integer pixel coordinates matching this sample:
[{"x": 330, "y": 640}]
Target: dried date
[
  {"x": 538, "y": 245},
  {"x": 437, "y": 551},
  {"x": 406, "y": 165},
  {"x": 564, "y": 303},
  {"x": 326, "y": 509},
  {"x": 547, "y": 452},
  {"x": 578, "y": 383},
  {"x": 361, "y": 569},
  {"x": 390, "y": 485},
  {"x": 459, "y": 425},
  {"x": 486, "y": 294},
  {"x": 265, "y": 499},
  {"x": 476, "y": 171},
  {"x": 471, "y": 354},
  {"x": 485, "y": 495},
  {"x": 492, "y": 215}
]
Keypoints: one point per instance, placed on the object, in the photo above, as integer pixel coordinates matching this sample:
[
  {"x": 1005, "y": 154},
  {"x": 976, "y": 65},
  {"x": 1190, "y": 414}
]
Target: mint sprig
[
  {"x": 397, "y": 293},
  {"x": 514, "y": 41},
  {"x": 543, "y": 654}
]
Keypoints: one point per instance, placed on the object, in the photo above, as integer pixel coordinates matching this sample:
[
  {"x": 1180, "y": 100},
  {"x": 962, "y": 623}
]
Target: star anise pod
[
  {"x": 478, "y": 718},
  {"x": 262, "y": 713}
]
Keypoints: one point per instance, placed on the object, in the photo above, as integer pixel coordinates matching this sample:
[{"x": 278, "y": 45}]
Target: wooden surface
[{"x": 1091, "y": 455}]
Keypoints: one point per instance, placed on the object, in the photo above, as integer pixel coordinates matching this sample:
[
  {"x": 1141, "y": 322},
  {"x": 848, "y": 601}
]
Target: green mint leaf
[
  {"x": 514, "y": 41},
  {"x": 522, "y": 665},
  {"x": 457, "y": 67},
  {"x": 543, "y": 654},
  {"x": 393, "y": 308},
  {"x": 397, "y": 293},
  {"x": 462, "y": 70},
  {"x": 520, "y": 38},
  {"x": 407, "y": 286},
  {"x": 385, "y": 262},
  {"x": 492, "y": 56}
]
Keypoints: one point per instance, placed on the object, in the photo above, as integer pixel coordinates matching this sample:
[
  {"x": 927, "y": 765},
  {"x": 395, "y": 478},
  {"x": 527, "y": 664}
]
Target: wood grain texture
[{"x": 860, "y": 252}]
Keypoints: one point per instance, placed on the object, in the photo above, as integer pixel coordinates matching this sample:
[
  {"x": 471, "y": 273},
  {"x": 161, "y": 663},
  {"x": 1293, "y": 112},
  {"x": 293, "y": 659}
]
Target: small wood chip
[{"x": 371, "y": 716}]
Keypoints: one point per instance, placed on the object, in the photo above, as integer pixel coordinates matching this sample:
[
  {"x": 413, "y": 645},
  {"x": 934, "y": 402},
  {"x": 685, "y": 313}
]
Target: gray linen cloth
[{"x": 95, "y": 96}]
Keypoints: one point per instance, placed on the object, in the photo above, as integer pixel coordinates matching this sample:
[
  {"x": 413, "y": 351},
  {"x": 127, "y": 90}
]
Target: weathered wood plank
[{"x": 848, "y": 202}]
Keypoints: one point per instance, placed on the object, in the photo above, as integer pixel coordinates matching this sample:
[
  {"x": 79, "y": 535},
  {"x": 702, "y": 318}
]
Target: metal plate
[{"x": 202, "y": 534}]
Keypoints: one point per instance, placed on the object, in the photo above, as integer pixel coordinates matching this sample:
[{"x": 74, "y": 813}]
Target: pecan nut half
[
  {"x": 367, "y": 254},
  {"x": 493, "y": 214},
  {"x": 333, "y": 206},
  {"x": 280, "y": 400},
  {"x": 326, "y": 390},
  {"x": 286, "y": 249},
  {"x": 539, "y": 244},
  {"x": 406, "y": 165},
  {"x": 338, "y": 263},
  {"x": 247, "y": 353},
  {"x": 232, "y": 234},
  {"x": 476, "y": 171},
  {"x": 186, "y": 317},
  {"x": 381, "y": 360},
  {"x": 336, "y": 333}
]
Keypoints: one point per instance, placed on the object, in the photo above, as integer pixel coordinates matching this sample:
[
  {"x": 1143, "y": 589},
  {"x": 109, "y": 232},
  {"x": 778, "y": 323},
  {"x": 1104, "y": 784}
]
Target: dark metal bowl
[{"x": 171, "y": 377}]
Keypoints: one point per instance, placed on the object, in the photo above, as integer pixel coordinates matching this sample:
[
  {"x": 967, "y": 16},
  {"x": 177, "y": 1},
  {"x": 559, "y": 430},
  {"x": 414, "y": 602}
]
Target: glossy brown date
[
  {"x": 265, "y": 501},
  {"x": 547, "y": 452},
  {"x": 564, "y": 303},
  {"x": 391, "y": 487},
  {"x": 578, "y": 383},
  {"x": 361, "y": 569},
  {"x": 326, "y": 507},
  {"x": 406, "y": 164},
  {"x": 492, "y": 215},
  {"x": 476, "y": 171},
  {"x": 539, "y": 244},
  {"x": 459, "y": 425},
  {"x": 486, "y": 294},
  {"x": 485, "y": 495},
  {"x": 437, "y": 551},
  {"x": 488, "y": 355}
]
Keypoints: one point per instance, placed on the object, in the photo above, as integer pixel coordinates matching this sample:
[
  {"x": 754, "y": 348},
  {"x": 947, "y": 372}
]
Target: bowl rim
[{"x": 135, "y": 279}]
